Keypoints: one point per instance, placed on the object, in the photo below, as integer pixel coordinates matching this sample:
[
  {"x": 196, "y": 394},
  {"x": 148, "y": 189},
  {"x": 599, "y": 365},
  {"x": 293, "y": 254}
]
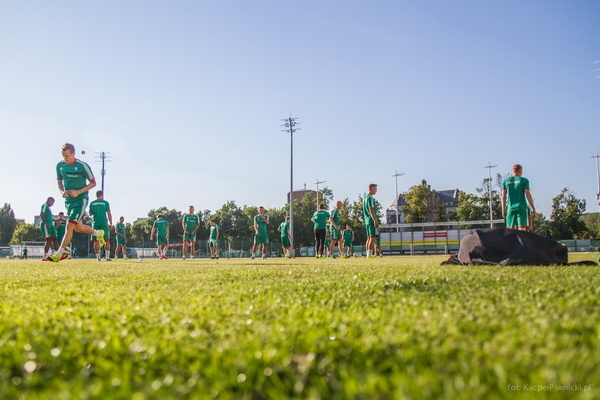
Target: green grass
[{"x": 391, "y": 328}]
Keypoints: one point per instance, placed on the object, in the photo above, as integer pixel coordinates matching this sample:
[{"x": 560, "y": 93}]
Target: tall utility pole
[
  {"x": 397, "y": 218},
  {"x": 489, "y": 167},
  {"x": 318, "y": 182},
  {"x": 290, "y": 127},
  {"x": 102, "y": 157},
  {"x": 598, "y": 176}
]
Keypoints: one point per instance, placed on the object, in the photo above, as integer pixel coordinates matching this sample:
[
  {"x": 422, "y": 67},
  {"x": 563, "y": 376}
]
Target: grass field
[{"x": 389, "y": 328}]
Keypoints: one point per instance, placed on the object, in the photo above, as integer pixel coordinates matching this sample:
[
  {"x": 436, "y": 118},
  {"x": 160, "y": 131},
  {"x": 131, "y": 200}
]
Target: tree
[
  {"x": 592, "y": 222},
  {"x": 8, "y": 223},
  {"x": 26, "y": 233},
  {"x": 417, "y": 203},
  {"x": 567, "y": 211},
  {"x": 232, "y": 221},
  {"x": 476, "y": 207},
  {"x": 541, "y": 226}
]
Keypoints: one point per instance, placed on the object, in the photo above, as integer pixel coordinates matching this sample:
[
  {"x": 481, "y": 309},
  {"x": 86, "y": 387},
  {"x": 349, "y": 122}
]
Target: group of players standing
[{"x": 75, "y": 179}]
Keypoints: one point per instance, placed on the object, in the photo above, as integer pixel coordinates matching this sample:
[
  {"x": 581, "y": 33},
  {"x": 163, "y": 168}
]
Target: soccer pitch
[{"x": 385, "y": 328}]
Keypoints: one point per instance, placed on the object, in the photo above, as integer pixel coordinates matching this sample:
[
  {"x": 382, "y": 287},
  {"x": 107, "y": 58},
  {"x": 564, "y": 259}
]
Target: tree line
[{"x": 567, "y": 221}]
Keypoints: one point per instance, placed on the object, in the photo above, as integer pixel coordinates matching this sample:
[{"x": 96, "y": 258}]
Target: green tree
[
  {"x": 416, "y": 208},
  {"x": 233, "y": 222},
  {"x": 541, "y": 226},
  {"x": 8, "y": 223},
  {"x": 25, "y": 232},
  {"x": 566, "y": 221},
  {"x": 592, "y": 222}
]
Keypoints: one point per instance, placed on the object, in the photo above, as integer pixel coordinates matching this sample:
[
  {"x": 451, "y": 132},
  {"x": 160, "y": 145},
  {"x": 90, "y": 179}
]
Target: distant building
[
  {"x": 448, "y": 199},
  {"x": 299, "y": 194}
]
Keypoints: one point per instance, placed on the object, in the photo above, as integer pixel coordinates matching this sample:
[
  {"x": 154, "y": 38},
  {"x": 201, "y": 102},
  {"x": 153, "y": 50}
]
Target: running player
[{"x": 75, "y": 179}]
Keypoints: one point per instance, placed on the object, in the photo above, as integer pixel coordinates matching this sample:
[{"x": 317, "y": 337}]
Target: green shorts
[
  {"x": 261, "y": 238},
  {"x": 370, "y": 229},
  {"x": 104, "y": 228},
  {"x": 76, "y": 208},
  {"x": 213, "y": 243},
  {"x": 285, "y": 241},
  {"x": 121, "y": 240},
  {"x": 189, "y": 237},
  {"x": 47, "y": 231},
  {"x": 162, "y": 240},
  {"x": 516, "y": 219},
  {"x": 334, "y": 234}
]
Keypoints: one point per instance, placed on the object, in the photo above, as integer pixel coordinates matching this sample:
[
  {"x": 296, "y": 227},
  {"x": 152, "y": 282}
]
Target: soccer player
[
  {"x": 515, "y": 195},
  {"x": 319, "y": 219},
  {"x": 213, "y": 241},
  {"x": 286, "y": 237},
  {"x": 75, "y": 179},
  {"x": 261, "y": 235},
  {"x": 371, "y": 220},
  {"x": 101, "y": 221},
  {"x": 161, "y": 228},
  {"x": 190, "y": 224},
  {"x": 48, "y": 229},
  {"x": 335, "y": 230},
  {"x": 121, "y": 238},
  {"x": 348, "y": 239}
]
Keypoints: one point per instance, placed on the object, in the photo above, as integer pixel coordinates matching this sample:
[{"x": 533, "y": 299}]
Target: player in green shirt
[
  {"x": 319, "y": 219},
  {"x": 61, "y": 227},
  {"x": 335, "y": 230},
  {"x": 161, "y": 228},
  {"x": 121, "y": 238},
  {"x": 213, "y": 241},
  {"x": 101, "y": 221},
  {"x": 261, "y": 235},
  {"x": 286, "y": 237},
  {"x": 348, "y": 239},
  {"x": 371, "y": 220},
  {"x": 75, "y": 179},
  {"x": 48, "y": 229},
  {"x": 515, "y": 195},
  {"x": 190, "y": 224}
]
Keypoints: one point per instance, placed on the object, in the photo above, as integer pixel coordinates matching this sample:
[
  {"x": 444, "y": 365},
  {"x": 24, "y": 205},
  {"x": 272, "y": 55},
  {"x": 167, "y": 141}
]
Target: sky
[{"x": 186, "y": 98}]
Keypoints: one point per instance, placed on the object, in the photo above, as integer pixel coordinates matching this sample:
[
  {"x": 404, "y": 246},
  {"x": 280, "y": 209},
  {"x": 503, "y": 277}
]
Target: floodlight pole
[
  {"x": 290, "y": 126},
  {"x": 317, "y": 183},
  {"x": 396, "y": 175},
  {"x": 598, "y": 176},
  {"x": 489, "y": 167},
  {"x": 102, "y": 157}
]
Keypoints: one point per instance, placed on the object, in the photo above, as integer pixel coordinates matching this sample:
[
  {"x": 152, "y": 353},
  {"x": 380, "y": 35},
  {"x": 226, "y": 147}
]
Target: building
[
  {"x": 447, "y": 198},
  {"x": 299, "y": 194}
]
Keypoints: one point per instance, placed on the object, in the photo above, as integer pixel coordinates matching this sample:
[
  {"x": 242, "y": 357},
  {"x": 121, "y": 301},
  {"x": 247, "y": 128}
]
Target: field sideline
[{"x": 386, "y": 328}]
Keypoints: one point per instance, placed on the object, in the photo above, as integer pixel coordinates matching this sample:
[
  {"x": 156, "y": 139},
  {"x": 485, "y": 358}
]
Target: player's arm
[
  {"x": 168, "y": 231},
  {"x": 109, "y": 217},
  {"x": 152, "y": 232},
  {"x": 76, "y": 192},
  {"x": 266, "y": 219},
  {"x": 503, "y": 197},
  {"x": 373, "y": 216},
  {"x": 530, "y": 200}
]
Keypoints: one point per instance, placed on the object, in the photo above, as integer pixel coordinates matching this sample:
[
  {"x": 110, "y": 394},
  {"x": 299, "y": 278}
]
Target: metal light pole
[
  {"x": 396, "y": 175},
  {"x": 317, "y": 183},
  {"x": 102, "y": 157},
  {"x": 290, "y": 127},
  {"x": 598, "y": 176},
  {"x": 489, "y": 167}
]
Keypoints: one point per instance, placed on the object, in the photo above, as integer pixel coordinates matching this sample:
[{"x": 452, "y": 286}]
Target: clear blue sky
[{"x": 187, "y": 96}]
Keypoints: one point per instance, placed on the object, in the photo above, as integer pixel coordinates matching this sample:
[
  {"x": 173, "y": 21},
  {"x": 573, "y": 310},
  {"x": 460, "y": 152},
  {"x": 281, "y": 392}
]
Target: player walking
[
  {"x": 190, "y": 224},
  {"x": 48, "y": 229},
  {"x": 101, "y": 221}
]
